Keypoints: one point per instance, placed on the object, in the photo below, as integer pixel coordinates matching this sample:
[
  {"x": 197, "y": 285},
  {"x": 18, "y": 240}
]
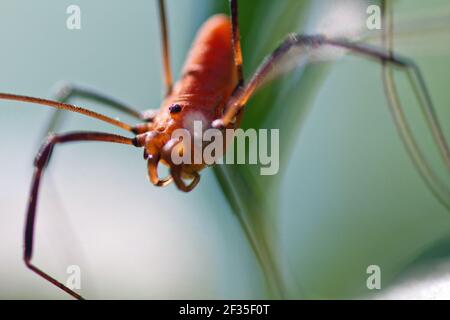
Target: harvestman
[{"x": 212, "y": 87}]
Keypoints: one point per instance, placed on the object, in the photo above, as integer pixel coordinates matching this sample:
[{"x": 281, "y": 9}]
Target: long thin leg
[
  {"x": 66, "y": 91},
  {"x": 236, "y": 36},
  {"x": 418, "y": 84},
  {"x": 168, "y": 80},
  {"x": 40, "y": 163},
  {"x": 241, "y": 96},
  {"x": 68, "y": 107}
]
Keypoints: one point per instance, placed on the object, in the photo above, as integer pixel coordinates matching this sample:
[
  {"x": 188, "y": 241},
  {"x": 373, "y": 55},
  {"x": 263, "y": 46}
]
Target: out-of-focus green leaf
[{"x": 280, "y": 105}]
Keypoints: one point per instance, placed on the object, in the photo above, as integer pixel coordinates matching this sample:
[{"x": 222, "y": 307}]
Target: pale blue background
[{"x": 350, "y": 198}]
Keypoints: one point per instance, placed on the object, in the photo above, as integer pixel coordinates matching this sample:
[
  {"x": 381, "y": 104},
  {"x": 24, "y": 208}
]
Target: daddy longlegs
[{"x": 212, "y": 87}]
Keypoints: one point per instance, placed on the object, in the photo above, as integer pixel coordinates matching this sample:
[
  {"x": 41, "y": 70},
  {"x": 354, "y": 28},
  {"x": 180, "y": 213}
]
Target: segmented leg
[
  {"x": 67, "y": 107},
  {"x": 154, "y": 156},
  {"x": 40, "y": 163},
  {"x": 172, "y": 146},
  {"x": 439, "y": 189},
  {"x": 236, "y": 36},
  {"x": 66, "y": 91},
  {"x": 241, "y": 96},
  {"x": 176, "y": 172},
  {"x": 168, "y": 79}
]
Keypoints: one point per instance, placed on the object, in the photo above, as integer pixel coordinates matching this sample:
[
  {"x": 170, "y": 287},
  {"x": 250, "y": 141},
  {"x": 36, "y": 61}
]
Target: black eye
[{"x": 175, "y": 108}]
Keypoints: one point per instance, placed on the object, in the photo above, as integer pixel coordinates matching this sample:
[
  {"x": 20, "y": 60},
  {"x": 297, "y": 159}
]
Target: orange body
[
  {"x": 209, "y": 75},
  {"x": 207, "y": 81}
]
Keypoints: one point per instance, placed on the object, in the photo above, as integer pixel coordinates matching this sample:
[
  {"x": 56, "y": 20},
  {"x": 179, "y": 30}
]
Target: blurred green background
[{"x": 347, "y": 196}]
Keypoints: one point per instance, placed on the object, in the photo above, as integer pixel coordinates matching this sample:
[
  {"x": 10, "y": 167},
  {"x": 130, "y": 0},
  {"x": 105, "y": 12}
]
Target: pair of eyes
[{"x": 175, "y": 108}]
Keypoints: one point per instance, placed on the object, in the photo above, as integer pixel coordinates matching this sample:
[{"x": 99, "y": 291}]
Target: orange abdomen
[{"x": 209, "y": 75}]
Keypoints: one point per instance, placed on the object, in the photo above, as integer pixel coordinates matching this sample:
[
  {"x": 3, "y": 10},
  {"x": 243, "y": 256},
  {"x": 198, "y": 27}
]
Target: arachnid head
[
  {"x": 170, "y": 139},
  {"x": 158, "y": 149}
]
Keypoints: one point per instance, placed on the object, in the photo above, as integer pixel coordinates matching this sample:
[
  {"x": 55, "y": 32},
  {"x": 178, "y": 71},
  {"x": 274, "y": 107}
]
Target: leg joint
[
  {"x": 45, "y": 151},
  {"x": 63, "y": 90}
]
